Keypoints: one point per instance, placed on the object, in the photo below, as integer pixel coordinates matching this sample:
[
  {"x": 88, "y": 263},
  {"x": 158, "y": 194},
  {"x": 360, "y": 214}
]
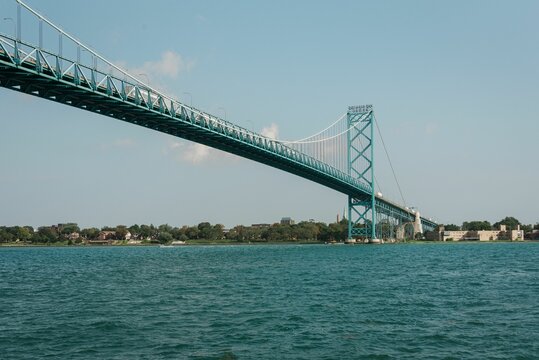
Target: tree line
[
  {"x": 72, "y": 234},
  {"x": 305, "y": 231},
  {"x": 510, "y": 222}
]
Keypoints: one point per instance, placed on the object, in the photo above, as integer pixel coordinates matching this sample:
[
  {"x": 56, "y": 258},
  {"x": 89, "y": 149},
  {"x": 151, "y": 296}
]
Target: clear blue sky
[{"x": 455, "y": 86}]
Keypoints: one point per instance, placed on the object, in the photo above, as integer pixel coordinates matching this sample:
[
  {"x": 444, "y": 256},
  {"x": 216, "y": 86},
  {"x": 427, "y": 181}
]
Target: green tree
[
  {"x": 218, "y": 231},
  {"x": 21, "y": 233},
  {"x": 255, "y": 233},
  {"x": 451, "y": 227},
  {"x": 164, "y": 228},
  {"x": 121, "y": 231},
  {"x": 306, "y": 231},
  {"x": 323, "y": 231},
  {"x": 176, "y": 233},
  {"x": 135, "y": 231},
  {"x": 47, "y": 234},
  {"x": 336, "y": 231},
  {"x": 165, "y": 237},
  {"x": 205, "y": 231},
  {"x": 90, "y": 233},
  {"x": 192, "y": 232},
  {"x": 476, "y": 226},
  {"x": 147, "y": 231},
  {"x": 180, "y": 233},
  {"x": 240, "y": 232},
  {"x": 5, "y": 235},
  {"x": 69, "y": 228},
  {"x": 277, "y": 233},
  {"x": 232, "y": 234},
  {"x": 508, "y": 221},
  {"x": 182, "y": 237}
]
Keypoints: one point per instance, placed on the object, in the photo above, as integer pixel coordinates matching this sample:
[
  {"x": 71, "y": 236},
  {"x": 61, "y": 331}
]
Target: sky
[{"x": 454, "y": 85}]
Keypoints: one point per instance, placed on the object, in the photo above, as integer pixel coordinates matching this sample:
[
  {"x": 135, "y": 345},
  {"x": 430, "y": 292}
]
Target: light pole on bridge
[
  {"x": 16, "y": 33},
  {"x": 94, "y": 64}
]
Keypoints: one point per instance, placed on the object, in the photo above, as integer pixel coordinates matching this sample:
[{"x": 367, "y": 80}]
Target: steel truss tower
[{"x": 361, "y": 210}]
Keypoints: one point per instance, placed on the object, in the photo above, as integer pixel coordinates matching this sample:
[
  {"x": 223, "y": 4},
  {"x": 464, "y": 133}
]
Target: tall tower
[{"x": 361, "y": 209}]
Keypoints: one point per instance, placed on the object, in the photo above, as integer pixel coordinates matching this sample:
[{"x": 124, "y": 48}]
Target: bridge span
[{"x": 101, "y": 87}]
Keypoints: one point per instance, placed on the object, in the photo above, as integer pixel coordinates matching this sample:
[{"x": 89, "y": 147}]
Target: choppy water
[{"x": 271, "y": 302}]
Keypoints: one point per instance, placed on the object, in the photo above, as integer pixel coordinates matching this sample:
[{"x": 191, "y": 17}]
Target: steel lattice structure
[
  {"x": 336, "y": 158},
  {"x": 361, "y": 216}
]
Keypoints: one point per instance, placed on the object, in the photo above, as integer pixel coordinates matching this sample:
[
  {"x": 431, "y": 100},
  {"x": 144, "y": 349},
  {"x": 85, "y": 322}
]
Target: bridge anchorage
[{"x": 341, "y": 157}]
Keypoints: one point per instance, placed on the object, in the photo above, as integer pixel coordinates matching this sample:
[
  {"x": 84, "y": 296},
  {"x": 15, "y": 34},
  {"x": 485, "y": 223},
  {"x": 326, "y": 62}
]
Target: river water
[{"x": 409, "y": 301}]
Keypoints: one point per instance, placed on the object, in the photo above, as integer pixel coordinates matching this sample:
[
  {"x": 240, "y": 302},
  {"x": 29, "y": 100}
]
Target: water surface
[{"x": 411, "y": 301}]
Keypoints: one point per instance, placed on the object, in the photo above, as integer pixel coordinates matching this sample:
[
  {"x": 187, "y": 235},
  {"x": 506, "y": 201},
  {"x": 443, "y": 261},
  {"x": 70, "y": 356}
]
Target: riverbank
[
  {"x": 202, "y": 242},
  {"x": 198, "y": 242}
]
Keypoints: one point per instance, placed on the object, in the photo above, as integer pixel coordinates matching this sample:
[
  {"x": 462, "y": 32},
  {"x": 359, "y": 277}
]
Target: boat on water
[
  {"x": 173, "y": 244},
  {"x": 333, "y": 242}
]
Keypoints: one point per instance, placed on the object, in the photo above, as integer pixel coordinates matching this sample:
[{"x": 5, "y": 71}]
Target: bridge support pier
[
  {"x": 369, "y": 217},
  {"x": 400, "y": 232},
  {"x": 360, "y": 157},
  {"x": 408, "y": 230},
  {"x": 418, "y": 226}
]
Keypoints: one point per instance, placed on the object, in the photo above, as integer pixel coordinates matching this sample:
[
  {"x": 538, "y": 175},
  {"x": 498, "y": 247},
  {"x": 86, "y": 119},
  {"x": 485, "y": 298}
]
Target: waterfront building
[
  {"x": 482, "y": 235},
  {"x": 106, "y": 235},
  {"x": 287, "y": 221},
  {"x": 74, "y": 236}
]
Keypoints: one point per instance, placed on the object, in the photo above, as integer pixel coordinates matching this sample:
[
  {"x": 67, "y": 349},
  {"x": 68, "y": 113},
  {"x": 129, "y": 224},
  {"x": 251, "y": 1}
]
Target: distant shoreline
[{"x": 225, "y": 243}]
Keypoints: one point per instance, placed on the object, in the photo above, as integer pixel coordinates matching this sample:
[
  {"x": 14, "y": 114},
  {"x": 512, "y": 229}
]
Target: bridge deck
[{"x": 141, "y": 107}]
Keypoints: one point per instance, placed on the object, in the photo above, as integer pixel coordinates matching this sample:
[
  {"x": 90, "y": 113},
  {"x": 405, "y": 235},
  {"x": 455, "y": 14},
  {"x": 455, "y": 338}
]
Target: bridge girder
[{"x": 40, "y": 79}]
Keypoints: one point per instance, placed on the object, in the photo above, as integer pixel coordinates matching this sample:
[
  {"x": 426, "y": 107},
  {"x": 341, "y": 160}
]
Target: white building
[{"x": 483, "y": 235}]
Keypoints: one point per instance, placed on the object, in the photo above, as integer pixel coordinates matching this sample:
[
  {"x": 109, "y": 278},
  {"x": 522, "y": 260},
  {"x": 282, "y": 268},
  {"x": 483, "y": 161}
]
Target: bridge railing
[
  {"x": 62, "y": 46},
  {"x": 92, "y": 78},
  {"x": 65, "y": 58}
]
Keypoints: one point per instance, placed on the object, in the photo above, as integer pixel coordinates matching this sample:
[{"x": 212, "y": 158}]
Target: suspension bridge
[{"x": 51, "y": 65}]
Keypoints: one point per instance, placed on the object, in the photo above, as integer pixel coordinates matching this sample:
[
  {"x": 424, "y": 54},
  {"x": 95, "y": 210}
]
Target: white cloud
[
  {"x": 156, "y": 73},
  {"x": 195, "y": 153},
  {"x": 271, "y": 131},
  {"x": 170, "y": 65}
]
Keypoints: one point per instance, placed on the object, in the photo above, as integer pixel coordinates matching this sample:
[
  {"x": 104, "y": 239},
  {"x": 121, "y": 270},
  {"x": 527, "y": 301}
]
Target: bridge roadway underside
[{"x": 66, "y": 93}]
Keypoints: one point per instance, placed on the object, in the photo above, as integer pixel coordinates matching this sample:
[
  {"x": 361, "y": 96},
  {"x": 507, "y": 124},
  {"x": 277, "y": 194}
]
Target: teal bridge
[{"x": 58, "y": 67}]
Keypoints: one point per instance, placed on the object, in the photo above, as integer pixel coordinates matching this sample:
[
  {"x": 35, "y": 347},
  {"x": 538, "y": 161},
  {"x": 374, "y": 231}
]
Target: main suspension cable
[
  {"x": 307, "y": 141},
  {"x": 389, "y": 159},
  {"x": 304, "y": 140}
]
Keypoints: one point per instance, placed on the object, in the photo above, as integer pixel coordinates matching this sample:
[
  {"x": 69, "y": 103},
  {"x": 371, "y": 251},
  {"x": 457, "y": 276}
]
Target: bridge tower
[{"x": 361, "y": 210}]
